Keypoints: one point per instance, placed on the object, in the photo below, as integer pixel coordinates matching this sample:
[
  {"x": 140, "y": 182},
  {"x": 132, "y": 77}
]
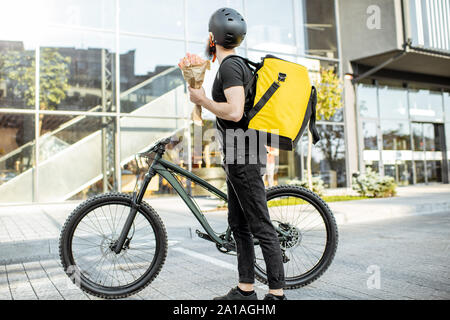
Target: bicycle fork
[{"x": 135, "y": 204}]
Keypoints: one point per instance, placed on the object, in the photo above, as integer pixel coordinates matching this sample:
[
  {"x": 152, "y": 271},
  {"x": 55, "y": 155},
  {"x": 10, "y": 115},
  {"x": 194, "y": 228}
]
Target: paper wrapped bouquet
[{"x": 194, "y": 69}]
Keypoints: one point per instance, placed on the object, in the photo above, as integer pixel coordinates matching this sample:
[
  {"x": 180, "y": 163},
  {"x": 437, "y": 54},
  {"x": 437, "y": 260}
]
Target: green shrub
[
  {"x": 317, "y": 187},
  {"x": 372, "y": 185}
]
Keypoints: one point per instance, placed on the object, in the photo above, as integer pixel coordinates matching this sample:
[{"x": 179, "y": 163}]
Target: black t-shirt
[{"x": 232, "y": 72}]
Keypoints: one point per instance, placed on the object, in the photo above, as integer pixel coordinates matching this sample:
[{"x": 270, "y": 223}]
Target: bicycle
[{"x": 113, "y": 245}]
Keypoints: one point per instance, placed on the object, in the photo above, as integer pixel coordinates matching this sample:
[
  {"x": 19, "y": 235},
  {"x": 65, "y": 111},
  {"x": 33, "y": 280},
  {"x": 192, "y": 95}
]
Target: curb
[{"x": 372, "y": 211}]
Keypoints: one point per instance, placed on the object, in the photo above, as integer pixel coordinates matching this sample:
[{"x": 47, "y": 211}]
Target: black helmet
[{"x": 228, "y": 27}]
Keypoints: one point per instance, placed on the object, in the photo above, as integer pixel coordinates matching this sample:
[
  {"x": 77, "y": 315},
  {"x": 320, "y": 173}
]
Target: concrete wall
[{"x": 369, "y": 27}]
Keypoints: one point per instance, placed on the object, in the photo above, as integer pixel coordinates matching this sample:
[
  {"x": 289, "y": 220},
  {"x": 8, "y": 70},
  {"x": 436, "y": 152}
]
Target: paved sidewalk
[
  {"x": 29, "y": 232},
  {"x": 410, "y": 255},
  {"x": 410, "y": 201},
  {"x": 29, "y": 264}
]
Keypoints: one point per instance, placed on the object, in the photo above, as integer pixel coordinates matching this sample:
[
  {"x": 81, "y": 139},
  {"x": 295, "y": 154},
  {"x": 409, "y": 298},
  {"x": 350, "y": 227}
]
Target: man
[
  {"x": 247, "y": 206},
  {"x": 272, "y": 153}
]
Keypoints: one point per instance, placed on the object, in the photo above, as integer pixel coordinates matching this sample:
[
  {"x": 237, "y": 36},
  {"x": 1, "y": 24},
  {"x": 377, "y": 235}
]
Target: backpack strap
[
  {"x": 254, "y": 66},
  {"x": 311, "y": 116},
  {"x": 263, "y": 100},
  {"x": 312, "y": 119}
]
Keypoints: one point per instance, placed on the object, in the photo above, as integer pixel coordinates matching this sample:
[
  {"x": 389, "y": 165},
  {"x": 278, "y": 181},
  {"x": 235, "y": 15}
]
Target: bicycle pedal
[
  {"x": 229, "y": 246},
  {"x": 203, "y": 235}
]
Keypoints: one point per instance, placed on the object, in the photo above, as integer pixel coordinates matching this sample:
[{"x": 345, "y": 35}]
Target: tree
[
  {"x": 329, "y": 100},
  {"x": 18, "y": 70}
]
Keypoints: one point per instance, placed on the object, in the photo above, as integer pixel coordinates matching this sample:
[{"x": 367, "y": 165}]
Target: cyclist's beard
[{"x": 209, "y": 51}]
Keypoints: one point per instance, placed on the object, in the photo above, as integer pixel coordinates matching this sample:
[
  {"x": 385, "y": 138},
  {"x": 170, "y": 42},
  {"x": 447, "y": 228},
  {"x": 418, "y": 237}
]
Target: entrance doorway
[{"x": 429, "y": 152}]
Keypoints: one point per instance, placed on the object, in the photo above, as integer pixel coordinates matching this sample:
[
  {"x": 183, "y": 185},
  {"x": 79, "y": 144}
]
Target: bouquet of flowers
[{"x": 194, "y": 68}]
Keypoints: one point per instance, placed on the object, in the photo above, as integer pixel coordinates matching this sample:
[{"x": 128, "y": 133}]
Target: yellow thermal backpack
[{"x": 284, "y": 101}]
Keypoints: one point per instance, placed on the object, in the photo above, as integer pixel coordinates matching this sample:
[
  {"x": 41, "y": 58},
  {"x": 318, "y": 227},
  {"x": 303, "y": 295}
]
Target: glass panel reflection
[
  {"x": 319, "y": 28},
  {"x": 16, "y": 145},
  {"x": 370, "y": 135},
  {"x": 429, "y": 135},
  {"x": 77, "y": 71},
  {"x": 72, "y": 153},
  {"x": 85, "y": 13},
  {"x": 447, "y": 141},
  {"x": 328, "y": 156},
  {"x": 59, "y": 132},
  {"x": 17, "y": 75},
  {"x": 140, "y": 138},
  {"x": 401, "y": 171},
  {"x": 434, "y": 173},
  {"x": 426, "y": 105},
  {"x": 152, "y": 17},
  {"x": 395, "y": 135},
  {"x": 447, "y": 107},
  {"x": 420, "y": 171},
  {"x": 16, "y": 157},
  {"x": 270, "y": 27},
  {"x": 367, "y": 100},
  {"x": 393, "y": 103},
  {"x": 417, "y": 131},
  {"x": 374, "y": 165},
  {"x": 146, "y": 58}
]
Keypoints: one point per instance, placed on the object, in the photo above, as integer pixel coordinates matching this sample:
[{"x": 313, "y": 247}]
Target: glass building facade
[
  {"x": 85, "y": 85},
  {"x": 404, "y": 132}
]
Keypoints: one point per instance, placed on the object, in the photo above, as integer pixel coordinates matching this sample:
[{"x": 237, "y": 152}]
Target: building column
[{"x": 351, "y": 129}]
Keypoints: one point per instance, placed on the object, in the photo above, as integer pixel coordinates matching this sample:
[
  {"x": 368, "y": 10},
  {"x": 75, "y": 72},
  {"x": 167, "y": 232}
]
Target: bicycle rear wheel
[
  {"x": 88, "y": 237},
  {"x": 311, "y": 235}
]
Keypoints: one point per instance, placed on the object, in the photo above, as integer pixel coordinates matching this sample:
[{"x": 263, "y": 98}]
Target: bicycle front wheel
[
  {"x": 87, "y": 241},
  {"x": 308, "y": 235}
]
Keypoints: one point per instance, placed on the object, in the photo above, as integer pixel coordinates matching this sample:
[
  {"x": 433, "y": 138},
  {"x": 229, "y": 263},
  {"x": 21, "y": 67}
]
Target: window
[
  {"x": 149, "y": 70},
  {"x": 369, "y": 131},
  {"x": 71, "y": 70},
  {"x": 17, "y": 150},
  {"x": 319, "y": 28},
  {"x": 153, "y": 17},
  {"x": 80, "y": 13},
  {"x": 367, "y": 101},
  {"x": 396, "y": 135},
  {"x": 447, "y": 107},
  {"x": 270, "y": 25},
  {"x": 17, "y": 75},
  {"x": 425, "y": 105},
  {"x": 328, "y": 155},
  {"x": 393, "y": 103}
]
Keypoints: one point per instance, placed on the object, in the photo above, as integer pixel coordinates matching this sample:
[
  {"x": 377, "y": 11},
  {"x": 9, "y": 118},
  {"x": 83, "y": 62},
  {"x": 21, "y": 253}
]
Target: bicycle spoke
[
  {"x": 94, "y": 236},
  {"x": 306, "y": 232}
]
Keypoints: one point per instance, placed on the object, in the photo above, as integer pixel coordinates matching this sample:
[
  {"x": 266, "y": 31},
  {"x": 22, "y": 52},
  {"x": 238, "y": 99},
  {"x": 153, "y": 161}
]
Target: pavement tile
[{"x": 412, "y": 254}]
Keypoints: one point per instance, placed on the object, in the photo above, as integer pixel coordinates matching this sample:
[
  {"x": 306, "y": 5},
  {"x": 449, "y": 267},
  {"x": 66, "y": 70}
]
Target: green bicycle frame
[{"x": 161, "y": 166}]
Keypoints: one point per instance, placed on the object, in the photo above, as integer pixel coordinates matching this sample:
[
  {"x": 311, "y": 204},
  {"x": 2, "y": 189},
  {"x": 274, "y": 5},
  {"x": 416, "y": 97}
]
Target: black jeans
[{"x": 248, "y": 215}]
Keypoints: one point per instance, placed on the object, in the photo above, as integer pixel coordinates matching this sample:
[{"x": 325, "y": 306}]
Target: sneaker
[
  {"x": 234, "y": 294},
  {"x": 270, "y": 296}
]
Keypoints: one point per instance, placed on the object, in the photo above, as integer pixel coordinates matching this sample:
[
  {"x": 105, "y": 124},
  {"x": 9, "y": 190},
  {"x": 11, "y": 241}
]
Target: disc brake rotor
[{"x": 293, "y": 237}]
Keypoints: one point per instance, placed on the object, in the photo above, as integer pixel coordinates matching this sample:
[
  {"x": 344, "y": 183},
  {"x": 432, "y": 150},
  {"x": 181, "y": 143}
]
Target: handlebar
[
  {"x": 158, "y": 145},
  {"x": 161, "y": 143}
]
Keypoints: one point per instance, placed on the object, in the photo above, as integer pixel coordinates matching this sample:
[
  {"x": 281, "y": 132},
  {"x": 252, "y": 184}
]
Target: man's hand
[{"x": 197, "y": 96}]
